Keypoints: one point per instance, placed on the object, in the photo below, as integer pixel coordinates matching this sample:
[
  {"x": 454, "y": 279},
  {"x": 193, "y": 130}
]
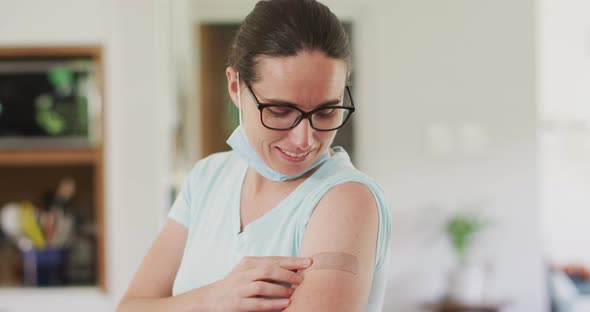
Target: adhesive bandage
[{"x": 335, "y": 261}]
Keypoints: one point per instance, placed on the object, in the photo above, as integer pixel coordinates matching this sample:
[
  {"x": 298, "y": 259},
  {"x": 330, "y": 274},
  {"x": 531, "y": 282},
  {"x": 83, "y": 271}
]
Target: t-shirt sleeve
[{"x": 181, "y": 208}]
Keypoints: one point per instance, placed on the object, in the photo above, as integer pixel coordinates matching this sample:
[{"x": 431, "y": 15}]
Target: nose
[{"x": 302, "y": 135}]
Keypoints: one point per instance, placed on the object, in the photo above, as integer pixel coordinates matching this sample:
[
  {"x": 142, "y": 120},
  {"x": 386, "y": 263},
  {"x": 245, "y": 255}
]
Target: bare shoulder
[
  {"x": 349, "y": 195},
  {"x": 346, "y": 213},
  {"x": 343, "y": 224}
]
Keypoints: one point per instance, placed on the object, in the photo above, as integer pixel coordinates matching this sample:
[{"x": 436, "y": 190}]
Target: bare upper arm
[
  {"x": 155, "y": 276},
  {"x": 344, "y": 221}
]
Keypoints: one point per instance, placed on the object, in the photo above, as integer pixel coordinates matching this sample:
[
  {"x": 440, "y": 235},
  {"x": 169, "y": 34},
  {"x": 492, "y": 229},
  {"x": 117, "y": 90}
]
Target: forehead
[{"x": 306, "y": 78}]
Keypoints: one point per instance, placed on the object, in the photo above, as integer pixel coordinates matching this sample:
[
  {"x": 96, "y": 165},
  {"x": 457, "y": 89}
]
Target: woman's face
[{"x": 306, "y": 80}]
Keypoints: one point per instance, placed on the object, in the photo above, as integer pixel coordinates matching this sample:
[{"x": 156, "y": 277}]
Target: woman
[{"x": 282, "y": 222}]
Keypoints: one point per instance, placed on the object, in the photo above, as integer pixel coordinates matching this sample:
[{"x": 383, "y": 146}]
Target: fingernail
[
  {"x": 307, "y": 262},
  {"x": 283, "y": 301}
]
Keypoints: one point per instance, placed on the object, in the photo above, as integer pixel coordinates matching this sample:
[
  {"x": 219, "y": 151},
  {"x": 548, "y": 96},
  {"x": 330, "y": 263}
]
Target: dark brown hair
[{"x": 279, "y": 28}]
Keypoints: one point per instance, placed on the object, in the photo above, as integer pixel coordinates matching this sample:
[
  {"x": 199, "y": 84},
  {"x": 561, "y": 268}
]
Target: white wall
[
  {"x": 139, "y": 134},
  {"x": 134, "y": 36},
  {"x": 564, "y": 101},
  {"x": 441, "y": 66}
]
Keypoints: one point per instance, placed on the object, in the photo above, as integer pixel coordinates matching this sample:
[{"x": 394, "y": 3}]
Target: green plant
[{"x": 461, "y": 228}]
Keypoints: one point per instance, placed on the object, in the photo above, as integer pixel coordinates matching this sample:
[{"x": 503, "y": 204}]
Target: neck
[{"x": 258, "y": 183}]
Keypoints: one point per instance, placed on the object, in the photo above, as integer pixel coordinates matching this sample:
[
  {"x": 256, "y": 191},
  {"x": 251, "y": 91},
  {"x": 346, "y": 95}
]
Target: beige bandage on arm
[{"x": 335, "y": 261}]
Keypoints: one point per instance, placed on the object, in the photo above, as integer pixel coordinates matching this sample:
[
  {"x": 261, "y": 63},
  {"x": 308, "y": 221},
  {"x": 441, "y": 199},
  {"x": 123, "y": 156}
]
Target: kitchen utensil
[
  {"x": 10, "y": 220},
  {"x": 48, "y": 221},
  {"x": 65, "y": 225},
  {"x": 65, "y": 191},
  {"x": 30, "y": 226}
]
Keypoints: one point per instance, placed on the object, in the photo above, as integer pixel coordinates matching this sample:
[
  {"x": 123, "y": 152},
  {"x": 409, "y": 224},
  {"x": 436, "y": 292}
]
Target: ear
[{"x": 232, "y": 84}]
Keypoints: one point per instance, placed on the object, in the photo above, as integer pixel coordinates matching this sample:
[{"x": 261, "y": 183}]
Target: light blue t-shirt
[{"x": 209, "y": 206}]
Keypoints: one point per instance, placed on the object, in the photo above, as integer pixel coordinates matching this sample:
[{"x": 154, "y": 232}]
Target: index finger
[{"x": 291, "y": 263}]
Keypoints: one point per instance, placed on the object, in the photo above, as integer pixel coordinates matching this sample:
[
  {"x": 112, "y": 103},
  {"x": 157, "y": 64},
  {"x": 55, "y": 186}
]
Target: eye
[
  {"x": 327, "y": 112},
  {"x": 280, "y": 111}
]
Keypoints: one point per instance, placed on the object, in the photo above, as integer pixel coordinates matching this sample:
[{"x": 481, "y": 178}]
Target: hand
[{"x": 253, "y": 280}]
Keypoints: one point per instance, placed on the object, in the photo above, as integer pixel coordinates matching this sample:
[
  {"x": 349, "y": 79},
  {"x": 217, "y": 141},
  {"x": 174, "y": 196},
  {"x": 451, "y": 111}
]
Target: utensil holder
[{"x": 44, "y": 267}]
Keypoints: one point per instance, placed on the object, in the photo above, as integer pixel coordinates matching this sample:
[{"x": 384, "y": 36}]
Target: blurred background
[{"x": 474, "y": 116}]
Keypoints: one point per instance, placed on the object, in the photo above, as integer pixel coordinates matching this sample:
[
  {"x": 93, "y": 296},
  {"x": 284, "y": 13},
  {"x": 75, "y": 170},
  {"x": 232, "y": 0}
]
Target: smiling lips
[{"x": 294, "y": 156}]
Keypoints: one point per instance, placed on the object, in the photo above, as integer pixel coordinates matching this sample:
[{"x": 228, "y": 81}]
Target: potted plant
[{"x": 466, "y": 282}]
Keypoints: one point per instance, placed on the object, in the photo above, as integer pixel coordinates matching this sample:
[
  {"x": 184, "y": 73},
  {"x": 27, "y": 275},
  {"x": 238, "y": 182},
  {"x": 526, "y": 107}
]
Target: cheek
[
  {"x": 325, "y": 137},
  {"x": 267, "y": 138},
  {"x": 251, "y": 122}
]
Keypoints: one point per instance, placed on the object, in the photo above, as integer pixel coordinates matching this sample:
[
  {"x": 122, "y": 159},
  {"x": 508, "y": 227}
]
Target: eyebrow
[{"x": 280, "y": 102}]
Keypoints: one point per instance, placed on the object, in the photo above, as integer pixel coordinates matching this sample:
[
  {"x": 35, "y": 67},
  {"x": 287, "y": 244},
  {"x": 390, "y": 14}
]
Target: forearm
[{"x": 192, "y": 301}]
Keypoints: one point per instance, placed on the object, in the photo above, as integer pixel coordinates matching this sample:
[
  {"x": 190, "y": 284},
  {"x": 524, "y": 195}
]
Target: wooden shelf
[
  {"x": 50, "y": 51},
  {"x": 49, "y": 157}
]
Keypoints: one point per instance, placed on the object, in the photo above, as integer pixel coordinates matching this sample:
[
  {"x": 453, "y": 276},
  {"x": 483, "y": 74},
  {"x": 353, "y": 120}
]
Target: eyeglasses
[{"x": 287, "y": 116}]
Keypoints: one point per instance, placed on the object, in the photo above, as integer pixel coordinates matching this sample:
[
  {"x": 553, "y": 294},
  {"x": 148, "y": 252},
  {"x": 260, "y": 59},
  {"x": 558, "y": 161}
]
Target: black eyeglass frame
[{"x": 304, "y": 114}]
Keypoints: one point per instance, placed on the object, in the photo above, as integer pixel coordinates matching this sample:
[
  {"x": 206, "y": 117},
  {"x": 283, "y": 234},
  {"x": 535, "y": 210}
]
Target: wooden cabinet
[{"x": 28, "y": 172}]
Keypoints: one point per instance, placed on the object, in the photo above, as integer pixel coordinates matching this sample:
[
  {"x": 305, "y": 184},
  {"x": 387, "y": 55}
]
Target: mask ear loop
[{"x": 239, "y": 100}]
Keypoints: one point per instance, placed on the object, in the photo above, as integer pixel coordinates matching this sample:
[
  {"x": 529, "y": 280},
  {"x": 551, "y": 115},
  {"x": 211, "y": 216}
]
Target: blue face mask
[{"x": 239, "y": 143}]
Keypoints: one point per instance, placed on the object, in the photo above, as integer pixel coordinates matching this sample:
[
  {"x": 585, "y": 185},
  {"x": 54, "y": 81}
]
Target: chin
[{"x": 294, "y": 169}]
